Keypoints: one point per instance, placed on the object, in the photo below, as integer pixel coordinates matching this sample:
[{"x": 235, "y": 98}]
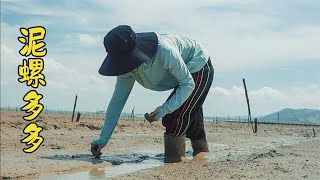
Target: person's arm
[
  {"x": 173, "y": 62},
  {"x": 119, "y": 98}
]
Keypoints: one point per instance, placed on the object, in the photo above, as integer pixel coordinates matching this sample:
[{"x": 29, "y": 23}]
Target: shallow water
[
  {"x": 127, "y": 163},
  {"x": 121, "y": 164},
  {"x": 109, "y": 171}
]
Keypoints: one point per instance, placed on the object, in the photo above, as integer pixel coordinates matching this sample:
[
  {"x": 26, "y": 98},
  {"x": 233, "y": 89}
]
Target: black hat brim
[{"x": 119, "y": 64}]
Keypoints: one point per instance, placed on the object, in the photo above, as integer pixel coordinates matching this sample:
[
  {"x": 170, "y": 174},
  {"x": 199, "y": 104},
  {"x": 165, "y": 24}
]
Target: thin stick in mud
[
  {"x": 74, "y": 107},
  {"x": 247, "y": 97}
]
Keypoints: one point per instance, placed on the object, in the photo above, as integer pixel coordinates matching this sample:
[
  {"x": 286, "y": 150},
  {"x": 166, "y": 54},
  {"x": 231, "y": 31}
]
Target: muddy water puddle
[
  {"x": 127, "y": 163},
  {"x": 108, "y": 171},
  {"x": 121, "y": 164}
]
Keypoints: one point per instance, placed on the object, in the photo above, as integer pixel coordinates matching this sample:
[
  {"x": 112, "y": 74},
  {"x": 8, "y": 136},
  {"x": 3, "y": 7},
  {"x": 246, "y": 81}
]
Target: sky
[{"x": 273, "y": 44}]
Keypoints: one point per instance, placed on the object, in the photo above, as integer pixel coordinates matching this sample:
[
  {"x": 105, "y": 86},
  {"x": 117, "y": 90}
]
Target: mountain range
[{"x": 294, "y": 116}]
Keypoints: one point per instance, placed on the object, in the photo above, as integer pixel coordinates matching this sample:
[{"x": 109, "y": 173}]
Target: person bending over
[{"x": 159, "y": 62}]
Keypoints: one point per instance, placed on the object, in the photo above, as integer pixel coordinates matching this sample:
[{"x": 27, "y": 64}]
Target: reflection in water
[
  {"x": 97, "y": 172},
  {"x": 128, "y": 163},
  {"x": 121, "y": 165}
]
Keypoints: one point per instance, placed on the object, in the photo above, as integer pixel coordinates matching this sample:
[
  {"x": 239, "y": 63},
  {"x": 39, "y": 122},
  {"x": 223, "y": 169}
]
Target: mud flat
[{"x": 135, "y": 151}]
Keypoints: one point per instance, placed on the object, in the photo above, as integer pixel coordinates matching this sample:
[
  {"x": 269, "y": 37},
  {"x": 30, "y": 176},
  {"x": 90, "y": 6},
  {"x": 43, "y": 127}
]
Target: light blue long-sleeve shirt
[{"x": 176, "y": 58}]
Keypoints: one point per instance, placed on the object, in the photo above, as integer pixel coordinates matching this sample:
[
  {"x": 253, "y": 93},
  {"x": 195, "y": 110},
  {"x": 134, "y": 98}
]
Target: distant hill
[{"x": 294, "y": 116}]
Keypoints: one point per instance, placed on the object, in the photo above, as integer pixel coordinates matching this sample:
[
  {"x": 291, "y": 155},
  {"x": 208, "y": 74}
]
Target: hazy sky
[{"x": 274, "y": 45}]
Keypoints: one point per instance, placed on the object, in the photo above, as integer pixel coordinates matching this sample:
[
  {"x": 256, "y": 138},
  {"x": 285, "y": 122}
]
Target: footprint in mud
[{"x": 271, "y": 153}]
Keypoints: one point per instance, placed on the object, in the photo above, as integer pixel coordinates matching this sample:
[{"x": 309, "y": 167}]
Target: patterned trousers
[{"x": 188, "y": 118}]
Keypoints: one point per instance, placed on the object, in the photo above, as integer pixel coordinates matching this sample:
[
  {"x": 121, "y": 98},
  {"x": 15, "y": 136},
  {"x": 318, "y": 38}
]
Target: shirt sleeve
[
  {"x": 119, "y": 98},
  {"x": 173, "y": 62}
]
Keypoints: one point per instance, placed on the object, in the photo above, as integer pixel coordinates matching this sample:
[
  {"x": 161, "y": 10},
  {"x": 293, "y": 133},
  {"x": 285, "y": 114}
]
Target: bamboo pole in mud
[
  {"x": 255, "y": 125},
  {"x": 78, "y": 117},
  {"x": 74, "y": 107},
  {"x": 314, "y": 133},
  {"x": 247, "y": 98},
  {"x": 132, "y": 114}
]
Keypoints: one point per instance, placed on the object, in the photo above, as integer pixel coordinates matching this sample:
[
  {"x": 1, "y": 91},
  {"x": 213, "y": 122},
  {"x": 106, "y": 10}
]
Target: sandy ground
[{"x": 275, "y": 152}]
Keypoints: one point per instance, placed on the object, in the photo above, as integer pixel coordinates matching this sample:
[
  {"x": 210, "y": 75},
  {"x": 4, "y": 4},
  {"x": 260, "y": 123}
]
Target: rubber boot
[
  {"x": 199, "y": 145},
  {"x": 174, "y": 148}
]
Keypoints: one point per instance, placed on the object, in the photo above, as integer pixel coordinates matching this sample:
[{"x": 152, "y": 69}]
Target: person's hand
[
  {"x": 155, "y": 112},
  {"x": 151, "y": 117},
  {"x": 96, "y": 148}
]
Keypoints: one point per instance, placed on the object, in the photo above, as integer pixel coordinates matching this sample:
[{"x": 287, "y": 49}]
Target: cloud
[
  {"x": 87, "y": 39},
  {"x": 73, "y": 77},
  {"x": 9, "y": 65},
  {"x": 239, "y": 34},
  {"x": 266, "y": 93},
  {"x": 263, "y": 101},
  {"x": 63, "y": 82},
  {"x": 57, "y": 85},
  {"x": 237, "y": 38}
]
